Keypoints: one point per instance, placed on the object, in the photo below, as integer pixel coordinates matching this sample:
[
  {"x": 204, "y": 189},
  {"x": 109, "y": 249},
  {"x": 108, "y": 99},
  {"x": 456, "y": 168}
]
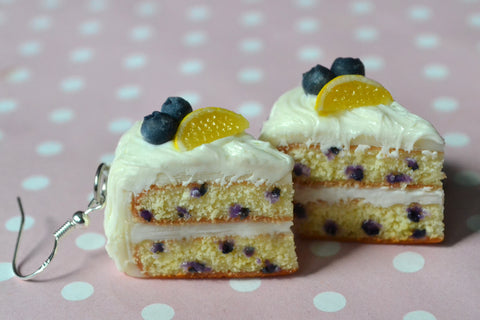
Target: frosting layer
[{"x": 294, "y": 120}]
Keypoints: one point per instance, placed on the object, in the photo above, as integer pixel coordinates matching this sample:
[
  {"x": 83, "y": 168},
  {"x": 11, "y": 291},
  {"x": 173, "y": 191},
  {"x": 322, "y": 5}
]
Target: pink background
[{"x": 74, "y": 75}]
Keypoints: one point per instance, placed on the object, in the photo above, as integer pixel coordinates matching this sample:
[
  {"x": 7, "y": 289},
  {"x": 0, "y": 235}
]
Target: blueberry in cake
[
  {"x": 191, "y": 195},
  {"x": 366, "y": 169}
]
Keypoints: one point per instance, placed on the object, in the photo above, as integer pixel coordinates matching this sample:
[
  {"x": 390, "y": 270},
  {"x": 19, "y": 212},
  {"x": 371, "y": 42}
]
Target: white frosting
[
  {"x": 380, "y": 197},
  {"x": 141, "y": 232},
  {"x": 139, "y": 164},
  {"x": 293, "y": 119}
]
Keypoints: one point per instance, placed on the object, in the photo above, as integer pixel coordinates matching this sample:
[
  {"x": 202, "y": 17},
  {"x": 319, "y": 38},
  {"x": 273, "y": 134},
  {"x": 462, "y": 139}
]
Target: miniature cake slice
[
  {"x": 199, "y": 198},
  {"x": 366, "y": 169}
]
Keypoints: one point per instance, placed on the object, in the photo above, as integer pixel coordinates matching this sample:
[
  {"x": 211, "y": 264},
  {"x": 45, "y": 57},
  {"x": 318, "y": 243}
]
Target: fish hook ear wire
[{"x": 79, "y": 218}]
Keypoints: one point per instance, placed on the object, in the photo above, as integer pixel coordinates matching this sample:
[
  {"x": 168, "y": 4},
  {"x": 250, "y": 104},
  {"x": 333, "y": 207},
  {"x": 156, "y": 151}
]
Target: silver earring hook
[{"x": 79, "y": 218}]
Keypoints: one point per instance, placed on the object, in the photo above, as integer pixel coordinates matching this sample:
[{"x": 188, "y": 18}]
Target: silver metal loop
[{"x": 79, "y": 218}]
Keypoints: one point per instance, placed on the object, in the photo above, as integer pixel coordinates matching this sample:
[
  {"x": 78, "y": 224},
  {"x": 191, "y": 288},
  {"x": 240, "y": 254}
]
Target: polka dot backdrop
[{"x": 74, "y": 75}]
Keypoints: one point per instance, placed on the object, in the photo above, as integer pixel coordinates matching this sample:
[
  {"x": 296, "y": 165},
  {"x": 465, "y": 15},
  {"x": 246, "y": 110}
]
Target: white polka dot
[
  {"x": 120, "y": 126},
  {"x": 305, "y": 3},
  {"x": 445, "y": 104},
  {"x": 325, "y": 248},
  {"x": 427, "y": 41},
  {"x": 456, "y": 139},
  {"x": 329, "y": 301},
  {"x": 146, "y": 9},
  {"x": 251, "y": 45},
  {"x": 50, "y": 4},
  {"x": 6, "y": 271},
  {"x": 49, "y": 148},
  {"x": 250, "y": 75},
  {"x": 107, "y": 158},
  {"x": 7, "y": 105},
  {"x": 474, "y": 20},
  {"x": 135, "y": 61},
  {"x": 467, "y": 178},
  {"x": 128, "y": 92},
  {"x": 81, "y": 55},
  {"x": 141, "y": 33},
  {"x": 366, "y": 34},
  {"x": 251, "y": 19},
  {"x": 362, "y": 7},
  {"x": 36, "y": 182},
  {"x": 419, "y": 315},
  {"x": 191, "y": 67},
  {"x": 61, "y": 115},
  {"x": 13, "y": 224},
  {"x": 310, "y": 53},
  {"x": 195, "y": 38},
  {"x": 90, "y": 28},
  {"x": 77, "y": 291},
  {"x": 373, "y": 63},
  {"x": 419, "y": 13},
  {"x": 436, "y": 72},
  {"x": 245, "y": 285},
  {"x": 307, "y": 25},
  {"x": 250, "y": 109},
  {"x": 30, "y": 48},
  {"x": 408, "y": 262},
  {"x": 40, "y": 23},
  {"x": 198, "y": 13},
  {"x": 158, "y": 311},
  {"x": 473, "y": 222},
  {"x": 97, "y": 6},
  {"x": 72, "y": 84},
  {"x": 192, "y": 97},
  {"x": 90, "y": 241},
  {"x": 19, "y": 75}
]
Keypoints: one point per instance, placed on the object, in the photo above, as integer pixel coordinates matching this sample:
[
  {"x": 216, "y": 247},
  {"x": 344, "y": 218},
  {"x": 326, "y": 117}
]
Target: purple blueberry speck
[
  {"x": 419, "y": 233},
  {"x": 146, "y": 215},
  {"x": 299, "y": 211},
  {"x": 398, "y": 178},
  {"x": 332, "y": 152},
  {"x": 248, "y": 251},
  {"x": 354, "y": 172},
  {"x": 270, "y": 267},
  {"x": 371, "y": 228},
  {"x": 330, "y": 227},
  {"x": 412, "y": 163},
  {"x": 195, "y": 267},
  {"x": 183, "y": 213},
  {"x": 301, "y": 170},
  {"x": 415, "y": 213},
  {"x": 273, "y": 196},
  {"x": 198, "y": 192},
  {"x": 158, "y": 247},
  {"x": 237, "y": 210},
  {"x": 226, "y": 246}
]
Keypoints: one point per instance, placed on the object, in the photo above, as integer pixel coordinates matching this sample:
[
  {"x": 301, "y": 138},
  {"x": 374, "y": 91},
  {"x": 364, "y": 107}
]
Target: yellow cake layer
[
  {"x": 203, "y": 257},
  {"x": 170, "y": 204},
  {"x": 375, "y": 164},
  {"x": 314, "y": 219}
]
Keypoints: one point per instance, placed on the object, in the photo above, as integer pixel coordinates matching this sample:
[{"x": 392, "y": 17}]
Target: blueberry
[
  {"x": 273, "y": 196},
  {"x": 158, "y": 247},
  {"x": 299, "y": 211},
  {"x": 354, "y": 172},
  {"x": 371, "y": 228},
  {"x": 415, "y": 213},
  {"x": 342, "y": 66},
  {"x": 419, "y": 233},
  {"x": 412, "y": 164},
  {"x": 227, "y": 246},
  {"x": 270, "y": 267},
  {"x": 198, "y": 192},
  {"x": 332, "y": 152},
  {"x": 398, "y": 178},
  {"x": 158, "y": 128},
  {"x": 183, "y": 213},
  {"x": 248, "y": 251},
  {"x": 301, "y": 170},
  {"x": 146, "y": 215},
  {"x": 244, "y": 213},
  {"x": 314, "y": 79},
  {"x": 330, "y": 227},
  {"x": 195, "y": 267},
  {"x": 237, "y": 210},
  {"x": 176, "y": 107}
]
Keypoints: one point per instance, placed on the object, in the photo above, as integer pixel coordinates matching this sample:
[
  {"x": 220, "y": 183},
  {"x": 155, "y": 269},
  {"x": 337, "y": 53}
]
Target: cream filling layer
[
  {"x": 141, "y": 232},
  {"x": 380, "y": 197}
]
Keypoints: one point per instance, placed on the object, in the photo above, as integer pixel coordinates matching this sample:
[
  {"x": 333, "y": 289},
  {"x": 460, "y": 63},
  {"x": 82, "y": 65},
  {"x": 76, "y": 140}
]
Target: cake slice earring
[{"x": 79, "y": 218}]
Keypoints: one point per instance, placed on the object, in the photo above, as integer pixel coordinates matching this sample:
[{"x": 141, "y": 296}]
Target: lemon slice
[
  {"x": 349, "y": 92},
  {"x": 207, "y": 125}
]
